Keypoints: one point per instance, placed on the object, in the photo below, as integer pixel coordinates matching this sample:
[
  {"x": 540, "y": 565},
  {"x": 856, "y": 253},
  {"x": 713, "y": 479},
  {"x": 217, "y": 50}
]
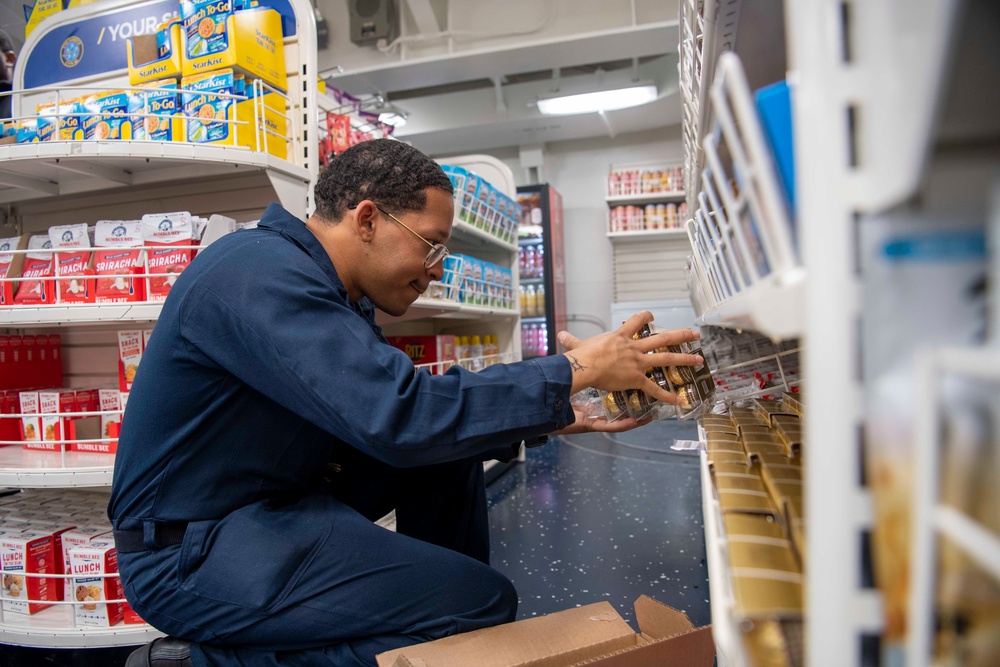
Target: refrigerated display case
[{"x": 542, "y": 269}]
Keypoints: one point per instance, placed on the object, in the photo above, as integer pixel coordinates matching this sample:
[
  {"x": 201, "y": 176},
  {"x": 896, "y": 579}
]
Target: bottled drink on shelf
[
  {"x": 541, "y": 341},
  {"x": 476, "y": 354},
  {"x": 531, "y": 301},
  {"x": 539, "y": 261},
  {"x": 529, "y": 262},
  {"x": 540, "y": 301}
]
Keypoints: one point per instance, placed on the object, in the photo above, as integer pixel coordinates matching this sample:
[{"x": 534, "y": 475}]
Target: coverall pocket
[{"x": 252, "y": 558}]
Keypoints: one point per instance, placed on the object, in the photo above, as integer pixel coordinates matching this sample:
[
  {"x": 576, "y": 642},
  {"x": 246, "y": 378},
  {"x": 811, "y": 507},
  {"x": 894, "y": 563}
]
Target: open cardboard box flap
[{"x": 593, "y": 635}]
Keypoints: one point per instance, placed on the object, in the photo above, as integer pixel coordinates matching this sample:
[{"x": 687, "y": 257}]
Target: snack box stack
[
  {"x": 754, "y": 453},
  {"x": 63, "y": 533},
  {"x": 482, "y": 205}
]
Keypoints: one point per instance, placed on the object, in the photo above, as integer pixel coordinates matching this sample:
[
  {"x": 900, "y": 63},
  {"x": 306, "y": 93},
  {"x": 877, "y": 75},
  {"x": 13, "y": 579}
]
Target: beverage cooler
[{"x": 541, "y": 269}]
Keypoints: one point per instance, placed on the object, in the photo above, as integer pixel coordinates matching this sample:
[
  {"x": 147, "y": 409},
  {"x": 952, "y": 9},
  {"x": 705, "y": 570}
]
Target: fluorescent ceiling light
[
  {"x": 392, "y": 118},
  {"x": 604, "y": 100}
]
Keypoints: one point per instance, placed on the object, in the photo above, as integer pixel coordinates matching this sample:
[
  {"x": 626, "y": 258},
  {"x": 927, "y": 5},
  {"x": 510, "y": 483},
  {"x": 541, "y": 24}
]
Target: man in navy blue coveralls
[{"x": 270, "y": 424}]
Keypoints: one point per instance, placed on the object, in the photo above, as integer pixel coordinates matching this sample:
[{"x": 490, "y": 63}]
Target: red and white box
[
  {"x": 439, "y": 351},
  {"x": 169, "y": 238},
  {"x": 31, "y": 422},
  {"x": 39, "y": 264},
  {"x": 129, "y": 356},
  {"x": 72, "y": 245},
  {"x": 111, "y": 419},
  {"x": 89, "y": 565},
  {"x": 56, "y": 426},
  {"x": 56, "y": 527},
  {"x": 118, "y": 261},
  {"x": 7, "y": 268},
  {"x": 21, "y": 555},
  {"x": 79, "y": 536}
]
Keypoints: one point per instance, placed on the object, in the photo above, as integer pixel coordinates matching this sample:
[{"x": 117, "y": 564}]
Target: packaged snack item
[
  {"x": 118, "y": 258},
  {"x": 53, "y": 405},
  {"x": 108, "y": 116},
  {"x": 250, "y": 41},
  {"x": 67, "y": 118},
  {"x": 72, "y": 245},
  {"x": 33, "y": 287},
  {"x": 156, "y": 56},
  {"x": 21, "y": 554},
  {"x": 170, "y": 238},
  {"x": 89, "y": 565},
  {"x": 8, "y": 267},
  {"x": 129, "y": 356},
  {"x": 155, "y": 112},
  {"x": 205, "y": 111},
  {"x": 77, "y": 536},
  {"x": 438, "y": 353},
  {"x": 31, "y": 423}
]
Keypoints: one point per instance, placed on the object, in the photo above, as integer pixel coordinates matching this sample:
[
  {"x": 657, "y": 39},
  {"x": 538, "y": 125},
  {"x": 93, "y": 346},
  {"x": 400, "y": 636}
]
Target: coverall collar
[{"x": 295, "y": 230}]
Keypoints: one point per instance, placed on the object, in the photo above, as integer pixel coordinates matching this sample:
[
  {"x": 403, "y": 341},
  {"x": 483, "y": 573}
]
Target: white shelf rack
[
  {"x": 647, "y": 234},
  {"x": 931, "y": 517},
  {"x": 744, "y": 255},
  {"x": 73, "y": 315},
  {"x": 57, "y": 168},
  {"x": 28, "y": 468},
  {"x": 646, "y": 198},
  {"x": 53, "y": 628},
  {"x": 729, "y": 650}
]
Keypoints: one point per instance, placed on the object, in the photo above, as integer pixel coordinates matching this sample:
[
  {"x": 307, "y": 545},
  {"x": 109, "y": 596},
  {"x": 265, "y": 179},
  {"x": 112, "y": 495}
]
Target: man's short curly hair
[{"x": 388, "y": 172}]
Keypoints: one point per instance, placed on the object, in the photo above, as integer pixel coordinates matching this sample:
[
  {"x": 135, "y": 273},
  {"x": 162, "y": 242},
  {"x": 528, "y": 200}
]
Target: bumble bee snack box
[
  {"x": 72, "y": 244},
  {"x": 249, "y": 41},
  {"x": 156, "y": 113},
  {"x": 26, "y": 553},
  {"x": 32, "y": 288},
  {"x": 170, "y": 237},
  {"x": 52, "y": 405},
  {"x": 90, "y": 564},
  {"x": 129, "y": 356},
  {"x": 31, "y": 424},
  {"x": 118, "y": 258}
]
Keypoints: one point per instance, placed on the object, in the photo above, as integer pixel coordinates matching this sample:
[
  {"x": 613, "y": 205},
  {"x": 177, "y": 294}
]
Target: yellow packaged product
[
  {"x": 108, "y": 117},
  {"x": 249, "y": 41},
  {"x": 68, "y": 117},
  {"x": 157, "y": 56},
  {"x": 156, "y": 113}
]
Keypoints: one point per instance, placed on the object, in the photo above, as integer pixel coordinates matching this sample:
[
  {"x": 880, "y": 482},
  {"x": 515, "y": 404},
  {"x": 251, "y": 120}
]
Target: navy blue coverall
[{"x": 259, "y": 373}]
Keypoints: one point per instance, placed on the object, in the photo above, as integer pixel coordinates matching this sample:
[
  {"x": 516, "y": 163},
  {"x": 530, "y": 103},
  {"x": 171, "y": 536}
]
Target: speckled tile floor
[
  {"x": 604, "y": 517},
  {"x": 587, "y": 518}
]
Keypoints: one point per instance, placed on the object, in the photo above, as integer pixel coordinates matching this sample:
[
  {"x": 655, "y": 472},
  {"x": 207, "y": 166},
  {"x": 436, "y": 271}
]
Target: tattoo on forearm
[{"x": 577, "y": 366}]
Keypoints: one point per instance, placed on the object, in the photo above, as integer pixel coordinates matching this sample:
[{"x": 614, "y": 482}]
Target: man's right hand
[{"x": 614, "y": 361}]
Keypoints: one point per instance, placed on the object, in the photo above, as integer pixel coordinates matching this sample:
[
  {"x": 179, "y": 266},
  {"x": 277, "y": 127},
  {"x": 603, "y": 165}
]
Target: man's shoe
[{"x": 162, "y": 652}]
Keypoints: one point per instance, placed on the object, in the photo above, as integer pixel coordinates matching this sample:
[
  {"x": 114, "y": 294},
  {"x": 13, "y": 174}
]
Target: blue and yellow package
[
  {"x": 27, "y": 131},
  {"x": 205, "y": 27},
  {"x": 108, "y": 117},
  {"x": 206, "y": 113},
  {"x": 248, "y": 41},
  {"x": 156, "y": 113},
  {"x": 69, "y": 115},
  {"x": 154, "y": 57}
]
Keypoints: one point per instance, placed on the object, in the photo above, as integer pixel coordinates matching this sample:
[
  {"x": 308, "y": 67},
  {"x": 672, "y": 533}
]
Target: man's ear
[{"x": 366, "y": 219}]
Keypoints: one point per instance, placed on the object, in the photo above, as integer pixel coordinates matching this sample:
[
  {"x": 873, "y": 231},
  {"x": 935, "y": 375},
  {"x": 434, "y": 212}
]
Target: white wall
[{"x": 579, "y": 170}]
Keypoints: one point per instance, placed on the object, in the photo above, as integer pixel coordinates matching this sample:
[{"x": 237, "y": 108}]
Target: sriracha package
[
  {"x": 72, "y": 244},
  {"x": 171, "y": 238},
  {"x": 118, "y": 258},
  {"x": 33, "y": 288}
]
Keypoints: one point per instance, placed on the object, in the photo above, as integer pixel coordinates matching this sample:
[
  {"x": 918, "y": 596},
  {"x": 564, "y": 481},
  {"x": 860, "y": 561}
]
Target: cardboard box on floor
[{"x": 593, "y": 635}]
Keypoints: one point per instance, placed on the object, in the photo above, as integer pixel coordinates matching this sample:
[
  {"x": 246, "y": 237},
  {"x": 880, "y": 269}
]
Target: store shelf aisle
[{"x": 604, "y": 517}]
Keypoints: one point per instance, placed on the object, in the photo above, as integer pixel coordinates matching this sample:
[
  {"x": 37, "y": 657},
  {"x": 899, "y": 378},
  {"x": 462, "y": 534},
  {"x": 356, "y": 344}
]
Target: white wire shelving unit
[{"x": 867, "y": 81}]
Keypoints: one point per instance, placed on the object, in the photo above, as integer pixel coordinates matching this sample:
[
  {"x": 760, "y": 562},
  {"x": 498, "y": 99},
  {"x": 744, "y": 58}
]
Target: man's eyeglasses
[{"x": 437, "y": 251}]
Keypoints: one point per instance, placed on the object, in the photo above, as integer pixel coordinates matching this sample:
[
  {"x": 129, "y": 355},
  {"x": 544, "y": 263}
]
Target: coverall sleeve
[{"x": 302, "y": 345}]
